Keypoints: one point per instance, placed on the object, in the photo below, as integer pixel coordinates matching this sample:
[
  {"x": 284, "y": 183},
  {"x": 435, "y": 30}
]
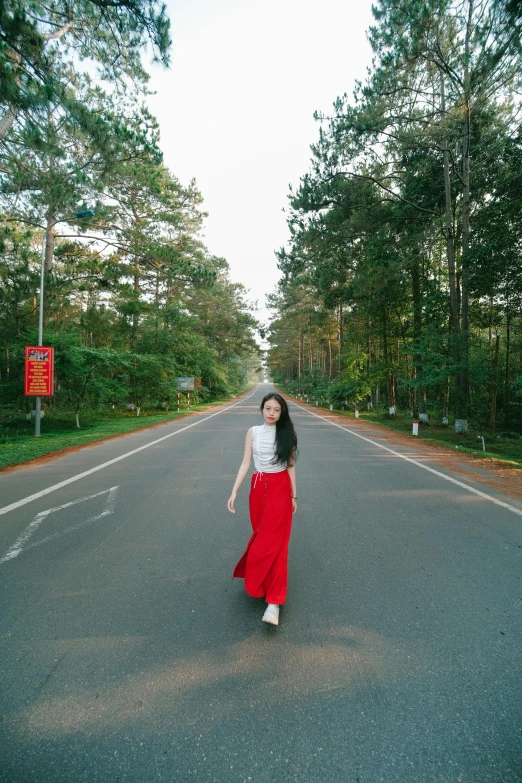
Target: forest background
[
  {"x": 133, "y": 298},
  {"x": 400, "y": 292},
  {"x": 401, "y": 288}
]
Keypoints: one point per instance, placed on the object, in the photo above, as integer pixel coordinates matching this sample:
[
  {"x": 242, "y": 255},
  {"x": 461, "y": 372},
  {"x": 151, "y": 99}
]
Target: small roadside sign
[
  {"x": 39, "y": 371},
  {"x": 185, "y": 384}
]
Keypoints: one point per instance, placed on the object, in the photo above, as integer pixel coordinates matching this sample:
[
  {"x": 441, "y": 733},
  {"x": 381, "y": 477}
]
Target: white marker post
[{"x": 415, "y": 428}]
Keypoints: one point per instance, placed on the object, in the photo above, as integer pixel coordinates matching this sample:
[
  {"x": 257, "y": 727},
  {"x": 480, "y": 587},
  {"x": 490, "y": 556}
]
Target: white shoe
[{"x": 271, "y": 614}]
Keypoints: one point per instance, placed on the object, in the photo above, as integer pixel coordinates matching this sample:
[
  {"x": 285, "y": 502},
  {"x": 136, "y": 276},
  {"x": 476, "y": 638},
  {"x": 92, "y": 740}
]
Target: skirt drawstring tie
[{"x": 257, "y": 474}]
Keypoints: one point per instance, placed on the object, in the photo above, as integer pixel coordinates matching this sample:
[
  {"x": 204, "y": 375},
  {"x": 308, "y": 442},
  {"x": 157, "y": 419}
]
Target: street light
[{"x": 81, "y": 214}]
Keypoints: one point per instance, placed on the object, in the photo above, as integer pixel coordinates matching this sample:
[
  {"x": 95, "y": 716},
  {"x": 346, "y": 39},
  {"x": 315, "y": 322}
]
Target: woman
[{"x": 272, "y": 501}]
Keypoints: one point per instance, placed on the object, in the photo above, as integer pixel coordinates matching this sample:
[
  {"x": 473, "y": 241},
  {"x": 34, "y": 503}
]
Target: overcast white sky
[{"x": 236, "y": 112}]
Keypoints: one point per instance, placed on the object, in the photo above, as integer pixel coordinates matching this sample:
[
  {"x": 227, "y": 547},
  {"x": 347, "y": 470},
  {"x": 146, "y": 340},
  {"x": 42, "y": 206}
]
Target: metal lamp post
[{"x": 81, "y": 214}]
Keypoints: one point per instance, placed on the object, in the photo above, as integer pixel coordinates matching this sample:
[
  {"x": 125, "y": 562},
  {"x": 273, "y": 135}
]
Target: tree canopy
[
  {"x": 133, "y": 298},
  {"x": 401, "y": 279},
  {"x": 39, "y": 40}
]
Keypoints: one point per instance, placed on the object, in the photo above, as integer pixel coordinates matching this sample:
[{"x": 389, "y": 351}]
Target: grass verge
[
  {"x": 60, "y": 433},
  {"x": 503, "y": 447}
]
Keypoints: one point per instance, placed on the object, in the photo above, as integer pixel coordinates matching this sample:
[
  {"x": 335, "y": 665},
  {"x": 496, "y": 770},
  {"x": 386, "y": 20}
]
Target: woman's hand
[
  {"x": 294, "y": 505},
  {"x": 230, "y": 504}
]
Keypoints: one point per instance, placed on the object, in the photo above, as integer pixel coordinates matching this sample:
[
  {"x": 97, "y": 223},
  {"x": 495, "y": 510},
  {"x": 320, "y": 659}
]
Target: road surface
[{"x": 128, "y": 654}]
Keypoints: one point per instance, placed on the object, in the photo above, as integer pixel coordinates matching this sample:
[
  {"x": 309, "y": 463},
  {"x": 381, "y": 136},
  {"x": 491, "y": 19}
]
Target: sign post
[
  {"x": 185, "y": 384},
  {"x": 39, "y": 376}
]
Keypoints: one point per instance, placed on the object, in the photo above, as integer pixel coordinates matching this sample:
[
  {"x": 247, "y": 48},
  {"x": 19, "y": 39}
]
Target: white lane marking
[
  {"x": 20, "y": 544},
  {"x": 108, "y": 509},
  {"x": 414, "y": 462},
  {"x": 85, "y": 473}
]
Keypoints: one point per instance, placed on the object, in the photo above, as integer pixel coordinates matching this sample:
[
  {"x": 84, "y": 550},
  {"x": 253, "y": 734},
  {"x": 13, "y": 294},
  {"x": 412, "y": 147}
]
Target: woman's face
[{"x": 271, "y": 412}]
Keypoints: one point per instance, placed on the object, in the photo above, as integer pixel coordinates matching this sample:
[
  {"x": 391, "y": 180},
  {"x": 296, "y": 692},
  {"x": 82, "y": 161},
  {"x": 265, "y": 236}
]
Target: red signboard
[{"x": 39, "y": 371}]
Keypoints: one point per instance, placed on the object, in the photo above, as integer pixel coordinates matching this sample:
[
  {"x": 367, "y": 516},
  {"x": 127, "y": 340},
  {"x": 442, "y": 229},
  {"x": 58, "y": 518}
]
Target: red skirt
[{"x": 264, "y": 566}]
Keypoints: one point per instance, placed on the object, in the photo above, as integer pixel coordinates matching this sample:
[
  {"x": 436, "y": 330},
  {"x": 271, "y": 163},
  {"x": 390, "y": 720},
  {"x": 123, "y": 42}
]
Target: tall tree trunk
[
  {"x": 448, "y": 227},
  {"x": 157, "y": 298},
  {"x": 369, "y": 364},
  {"x": 135, "y": 315},
  {"x": 9, "y": 117},
  {"x": 490, "y": 327},
  {"x": 7, "y": 120},
  {"x": 463, "y": 392},
  {"x": 389, "y": 373},
  {"x": 494, "y": 390},
  {"x": 299, "y": 362},
  {"x": 341, "y": 335},
  {"x": 419, "y": 404},
  {"x": 460, "y": 413},
  {"x": 508, "y": 346}
]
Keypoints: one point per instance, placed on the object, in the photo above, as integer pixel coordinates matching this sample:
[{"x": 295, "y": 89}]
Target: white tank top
[{"x": 263, "y": 447}]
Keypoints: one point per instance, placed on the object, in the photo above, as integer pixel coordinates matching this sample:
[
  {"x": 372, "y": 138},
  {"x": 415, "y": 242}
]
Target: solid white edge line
[
  {"x": 414, "y": 462},
  {"x": 72, "y": 479}
]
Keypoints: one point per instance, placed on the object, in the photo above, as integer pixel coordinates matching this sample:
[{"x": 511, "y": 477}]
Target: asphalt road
[{"x": 128, "y": 653}]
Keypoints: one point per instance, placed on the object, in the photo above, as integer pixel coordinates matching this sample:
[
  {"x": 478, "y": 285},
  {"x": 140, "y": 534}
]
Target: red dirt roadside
[{"x": 494, "y": 473}]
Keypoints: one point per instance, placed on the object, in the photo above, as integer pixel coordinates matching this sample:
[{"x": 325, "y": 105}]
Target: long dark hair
[{"x": 286, "y": 439}]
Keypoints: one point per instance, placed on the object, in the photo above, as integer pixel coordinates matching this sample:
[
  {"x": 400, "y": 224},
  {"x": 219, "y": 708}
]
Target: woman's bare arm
[
  {"x": 291, "y": 473},
  {"x": 243, "y": 470}
]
